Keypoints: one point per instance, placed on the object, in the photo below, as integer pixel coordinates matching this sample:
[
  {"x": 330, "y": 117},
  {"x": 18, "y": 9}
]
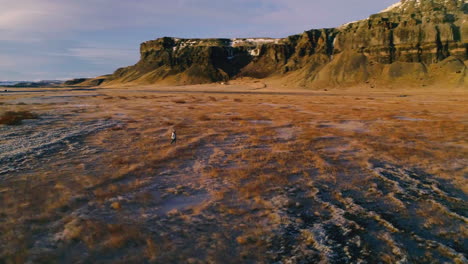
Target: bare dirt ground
[{"x": 257, "y": 176}]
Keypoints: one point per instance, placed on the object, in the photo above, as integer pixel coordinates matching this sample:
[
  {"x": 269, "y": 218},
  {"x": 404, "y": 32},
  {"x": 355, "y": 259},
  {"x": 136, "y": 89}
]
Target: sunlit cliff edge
[{"x": 412, "y": 43}]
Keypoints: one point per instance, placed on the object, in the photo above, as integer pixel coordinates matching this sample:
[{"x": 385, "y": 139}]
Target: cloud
[
  {"x": 68, "y": 37},
  {"x": 18, "y": 18},
  {"x": 69, "y": 16},
  {"x": 100, "y": 55},
  {"x": 13, "y": 66}
]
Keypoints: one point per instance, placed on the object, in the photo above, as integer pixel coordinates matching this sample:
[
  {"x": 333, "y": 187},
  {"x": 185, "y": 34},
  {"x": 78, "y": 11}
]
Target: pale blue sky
[{"x": 62, "y": 39}]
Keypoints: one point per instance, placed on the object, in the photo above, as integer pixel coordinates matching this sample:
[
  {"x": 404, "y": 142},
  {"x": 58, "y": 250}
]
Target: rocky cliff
[{"x": 417, "y": 42}]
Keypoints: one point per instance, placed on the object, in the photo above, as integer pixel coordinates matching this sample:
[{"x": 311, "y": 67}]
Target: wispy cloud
[
  {"x": 100, "y": 55},
  {"x": 70, "y": 16}
]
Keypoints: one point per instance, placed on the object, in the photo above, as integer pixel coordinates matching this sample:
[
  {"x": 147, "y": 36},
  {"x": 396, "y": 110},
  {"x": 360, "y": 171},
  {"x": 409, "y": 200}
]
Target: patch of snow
[
  {"x": 390, "y": 8},
  {"x": 252, "y": 41},
  {"x": 345, "y": 25},
  {"x": 354, "y": 126},
  {"x": 404, "y": 118},
  {"x": 261, "y": 122},
  {"x": 285, "y": 133},
  {"x": 22, "y": 146},
  {"x": 181, "y": 203},
  {"x": 254, "y": 52}
]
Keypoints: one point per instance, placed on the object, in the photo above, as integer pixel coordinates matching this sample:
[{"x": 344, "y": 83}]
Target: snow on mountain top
[{"x": 390, "y": 8}]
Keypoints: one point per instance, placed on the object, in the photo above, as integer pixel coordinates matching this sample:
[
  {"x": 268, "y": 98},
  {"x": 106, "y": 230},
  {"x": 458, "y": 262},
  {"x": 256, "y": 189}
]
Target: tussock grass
[
  {"x": 16, "y": 117},
  {"x": 204, "y": 117},
  {"x": 260, "y": 187},
  {"x": 235, "y": 118}
]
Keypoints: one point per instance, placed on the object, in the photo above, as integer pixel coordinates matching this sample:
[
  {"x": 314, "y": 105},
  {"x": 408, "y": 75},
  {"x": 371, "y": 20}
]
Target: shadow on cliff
[{"x": 413, "y": 43}]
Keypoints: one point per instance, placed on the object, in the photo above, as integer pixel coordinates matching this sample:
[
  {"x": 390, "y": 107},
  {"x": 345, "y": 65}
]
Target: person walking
[{"x": 173, "y": 137}]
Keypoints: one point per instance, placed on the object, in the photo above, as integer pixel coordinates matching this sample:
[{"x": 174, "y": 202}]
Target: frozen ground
[
  {"x": 253, "y": 178},
  {"x": 22, "y": 147}
]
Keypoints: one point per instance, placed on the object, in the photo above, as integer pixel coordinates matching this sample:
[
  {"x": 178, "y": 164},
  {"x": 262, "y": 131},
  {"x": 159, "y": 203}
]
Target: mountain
[
  {"x": 86, "y": 81},
  {"x": 3, "y": 83},
  {"x": 414, "y": 42},
  {"x": 43, "y": 83}
]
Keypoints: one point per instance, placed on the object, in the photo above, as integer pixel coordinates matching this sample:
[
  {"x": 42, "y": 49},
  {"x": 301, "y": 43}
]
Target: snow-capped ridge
[{"x": 392, "y": 7}]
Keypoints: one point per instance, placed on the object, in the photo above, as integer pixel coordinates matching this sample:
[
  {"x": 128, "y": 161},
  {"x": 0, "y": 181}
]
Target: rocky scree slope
[{"x": 414, "y": 42}]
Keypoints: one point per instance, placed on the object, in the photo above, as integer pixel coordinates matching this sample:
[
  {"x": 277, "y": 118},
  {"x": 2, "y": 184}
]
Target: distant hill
[
  {"x": 413, "y": 43},
  {"x": 87, "y": 81},
  {"x": 3, "y": 83},
  {"x": 44, "y": 83}
]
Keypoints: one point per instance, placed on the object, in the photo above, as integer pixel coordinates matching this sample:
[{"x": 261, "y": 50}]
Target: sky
[{"x": 64, "y": 39}]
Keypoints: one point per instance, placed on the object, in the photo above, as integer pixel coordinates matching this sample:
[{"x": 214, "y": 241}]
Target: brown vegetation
[
  {"x": 269, "y": 178},
  {"x": 16, "y": 117}
]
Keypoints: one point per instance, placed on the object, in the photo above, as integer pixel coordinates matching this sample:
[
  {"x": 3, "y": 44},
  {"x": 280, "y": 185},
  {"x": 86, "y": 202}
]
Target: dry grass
[
  {"x": 204, "y": 117},
  {"x": 12, "y": 118},
  {"x": 263, "y": 172}
]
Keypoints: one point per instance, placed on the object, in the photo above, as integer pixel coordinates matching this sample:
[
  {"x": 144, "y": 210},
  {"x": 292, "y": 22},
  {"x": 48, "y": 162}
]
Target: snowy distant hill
[{"x": 31, "y": 83}]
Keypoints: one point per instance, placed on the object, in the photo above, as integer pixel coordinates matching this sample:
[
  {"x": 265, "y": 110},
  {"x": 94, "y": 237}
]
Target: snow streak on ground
[
  {"x": 294, "y": 179},
  {"x": 22, "y": 146}
]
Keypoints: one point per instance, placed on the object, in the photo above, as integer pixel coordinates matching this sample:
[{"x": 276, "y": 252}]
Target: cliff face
[{"x": 418, "y": 42}]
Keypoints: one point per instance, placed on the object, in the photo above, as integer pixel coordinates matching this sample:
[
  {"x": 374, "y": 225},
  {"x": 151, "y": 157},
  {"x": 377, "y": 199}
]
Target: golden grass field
[{"x": 257, "y": 176}]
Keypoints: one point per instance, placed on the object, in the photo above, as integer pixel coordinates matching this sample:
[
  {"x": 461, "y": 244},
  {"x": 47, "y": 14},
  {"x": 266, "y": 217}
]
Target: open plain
[{"x": 257, "y": 175}]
